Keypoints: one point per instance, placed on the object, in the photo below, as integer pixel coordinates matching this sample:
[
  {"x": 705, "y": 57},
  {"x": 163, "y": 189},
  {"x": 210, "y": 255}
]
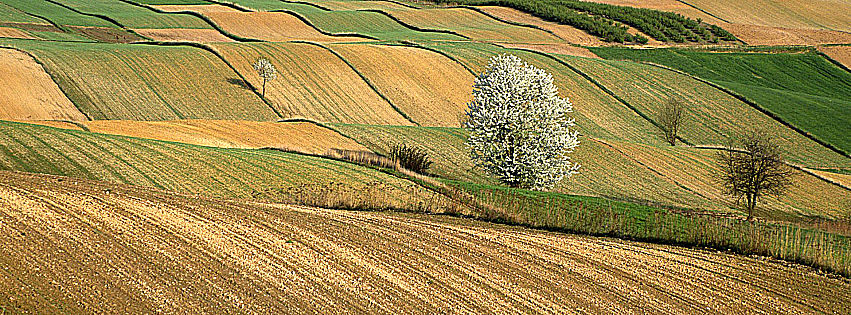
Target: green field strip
[
  {"x": 57, "y": 14},
  {"x": 201, "y": 16},
  {"x": 230, "y": 173},
  {"x": 368, "y": 24},
  {"x": 150, "y": 87},
  {"x": 417, "y": 28},
  {"x": 774, "y": 83},
  {"x": 10, "y": 14},
  {"x": 129, "y": 16}
]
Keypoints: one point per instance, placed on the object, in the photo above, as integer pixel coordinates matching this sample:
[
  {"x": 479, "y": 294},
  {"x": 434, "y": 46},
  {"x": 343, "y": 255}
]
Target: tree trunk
[{"x": 264, "y": 88}]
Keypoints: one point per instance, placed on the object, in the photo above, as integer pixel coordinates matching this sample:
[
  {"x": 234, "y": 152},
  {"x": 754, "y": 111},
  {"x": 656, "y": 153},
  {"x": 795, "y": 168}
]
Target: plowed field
[
  {"x": 569, "y": 33},
  {"x": 75, "y": 246},
  {"x": 430, "y": 88},
  {"x": 300, "y": 136},
  {"x": 14, "y": 33},
  {"x": 28, "y": 93},
  {"x": 842, "y": 54},
  {"x": 313, "y": 83}
]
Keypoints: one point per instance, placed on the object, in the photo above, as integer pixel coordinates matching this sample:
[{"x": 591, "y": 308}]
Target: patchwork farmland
[{"x": 314, "y": 156}]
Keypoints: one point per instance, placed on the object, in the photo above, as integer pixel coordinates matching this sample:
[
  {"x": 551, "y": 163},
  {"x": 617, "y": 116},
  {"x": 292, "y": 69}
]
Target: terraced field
[
  {"x": 227, "y": 173},
  {"x": 566, "y": 32},
  {"x": 406, "y": 76},
  {"x": 812, "y": 14},
  {"x": 297, "y": 136},
  {"x": 803, "y": 89},
  {"x": 314, "y": 83},
  {"x": 140, "y": 82},
  {"x": 133, "y": 16},
  {"x": 29, "y": 93},
  {"x": 201, "y": 255}
]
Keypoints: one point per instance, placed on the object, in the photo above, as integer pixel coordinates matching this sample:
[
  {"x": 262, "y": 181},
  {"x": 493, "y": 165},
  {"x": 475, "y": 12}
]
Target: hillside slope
[{"x": 77, "y": 246}]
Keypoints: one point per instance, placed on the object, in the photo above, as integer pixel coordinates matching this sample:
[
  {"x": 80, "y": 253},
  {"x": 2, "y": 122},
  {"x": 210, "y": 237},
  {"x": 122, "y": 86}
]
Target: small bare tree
[
  {"x": 266, "y": 71},
  {"x": 752, "y": 168},
  {"x": 670, "y": 117}
]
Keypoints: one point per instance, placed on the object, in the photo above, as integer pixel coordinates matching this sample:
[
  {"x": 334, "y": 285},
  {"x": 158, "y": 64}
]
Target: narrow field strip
[
  {"x": 29, "y": 93},
  {"x": 472, "y": 24},
  {"x": 314, "y": 83},
  {"x": 298, "y": 136},
  {"x": 130, "y": 249},
  {"x": 229, "y": 173},
  {"x": 429, "y": 88}
]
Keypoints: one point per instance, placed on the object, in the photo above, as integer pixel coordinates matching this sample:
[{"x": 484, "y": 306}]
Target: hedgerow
[{"x": 610, "y": 22}]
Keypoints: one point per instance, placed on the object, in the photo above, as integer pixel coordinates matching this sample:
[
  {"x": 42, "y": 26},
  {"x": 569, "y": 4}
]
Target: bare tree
[
  {"x": 752, "y": 168},
  {"x": 266, "y": 71},
  {"x": 670, "y": 118}
]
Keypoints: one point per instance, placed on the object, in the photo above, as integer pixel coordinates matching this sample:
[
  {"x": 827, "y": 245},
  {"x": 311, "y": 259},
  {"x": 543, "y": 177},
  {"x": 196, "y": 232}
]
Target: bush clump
[{"x": 410, "y": 157}]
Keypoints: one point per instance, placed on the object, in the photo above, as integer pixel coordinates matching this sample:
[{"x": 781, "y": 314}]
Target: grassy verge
[{"x": 601, "y": 217}]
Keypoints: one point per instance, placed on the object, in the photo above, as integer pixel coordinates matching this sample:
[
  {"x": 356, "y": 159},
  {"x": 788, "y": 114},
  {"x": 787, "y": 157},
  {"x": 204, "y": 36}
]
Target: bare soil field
[
  {"x": 184, "y": 35},
  {"x": 842, "y": 54},
  {"x": 843, "y": 179},
  {"x": 28, "y": 93},
  {"x": 807, "y": 14},
  {"x": 767, "y": 35},
  {"x": 14, "y": 33},
  {"x": 298, "y": 136},
  {"x": 200, "y": 8},
  {"x": 73, "y": 246},
  {"x": 406, "y": 76}
]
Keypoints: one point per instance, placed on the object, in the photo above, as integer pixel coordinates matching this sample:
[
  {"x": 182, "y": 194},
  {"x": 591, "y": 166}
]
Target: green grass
[
  {"x": 132, "y": 16},
  {"x": 146, "y": 82},
  {"x": 10, "y": 14},
  {"x": 371, "y": 24},
  {"x": 802, "y": 89},
  {"x": 228, "y": 173},
  {"x": 595, "y": 216},
  {"x": 57, "y": 13},
  {"x": 180, "y": 2}
]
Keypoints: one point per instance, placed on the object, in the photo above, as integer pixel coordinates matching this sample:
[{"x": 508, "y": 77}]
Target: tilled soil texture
[{"x": 72, "y": 246}]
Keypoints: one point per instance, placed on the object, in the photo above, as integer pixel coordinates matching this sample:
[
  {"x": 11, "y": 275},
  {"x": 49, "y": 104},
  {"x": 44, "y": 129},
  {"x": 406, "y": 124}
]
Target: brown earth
[
  {"x": 299, "y": 136},
  {"x": 767, "y": 35},
  {"x": 105, "y": 34},
  {"x": 184, "y": 34},
  {"x": 14, "y": 33},
  {"x": 841, "y": 54},
  {"x": 843, "y": 179},
  {"x": 203, "y": 8},
  {"x": 29, "y": 93},
  {"x": 73, "y": 246}
]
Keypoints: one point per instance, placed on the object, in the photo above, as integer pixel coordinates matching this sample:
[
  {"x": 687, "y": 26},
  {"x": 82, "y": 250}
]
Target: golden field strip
[
  {"x": 76, "y": 246},
  {"x": 29, "y": 93}
]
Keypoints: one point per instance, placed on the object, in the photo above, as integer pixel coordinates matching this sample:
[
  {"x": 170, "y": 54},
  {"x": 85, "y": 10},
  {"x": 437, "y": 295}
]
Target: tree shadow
[{"x": 239, "y": 82}]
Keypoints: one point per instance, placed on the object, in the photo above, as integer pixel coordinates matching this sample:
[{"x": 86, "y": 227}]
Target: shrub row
[{"x": 609, "y": 22}]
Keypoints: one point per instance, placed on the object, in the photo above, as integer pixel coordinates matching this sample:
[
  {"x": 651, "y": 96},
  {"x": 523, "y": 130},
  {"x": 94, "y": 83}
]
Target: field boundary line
[
  {"x": 310, "y": 4},
  {"x": 415, "y": 28},
  {"x": 57, "y": 25},
  {"x": 326, "y": 126},
  {"x": 365, "y": 79},
  {"x": 222, "y": 58},
  {"x": 410, "y": 6},
  {"x": 799, "y": 167},
  {"x": 417, "y": 45},
  {"x": 321, "y": 31},
  {"x": 197, "y": 15},
  {"x": 754, "y": 105},
  {"x": 596, "y": 83},
  {"x": 494, "y": 17},
  {"x": 833, "y": 61},
  {"x": 52, "y": 78},
  {"x": 102, "y": 17},
  {"x": 704, "y": 11}
]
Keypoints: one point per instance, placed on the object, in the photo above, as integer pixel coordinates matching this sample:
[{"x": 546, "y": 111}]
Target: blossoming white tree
[
  {"x": 266, "y": 71},
  {"x": 519, "y": 128}
]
